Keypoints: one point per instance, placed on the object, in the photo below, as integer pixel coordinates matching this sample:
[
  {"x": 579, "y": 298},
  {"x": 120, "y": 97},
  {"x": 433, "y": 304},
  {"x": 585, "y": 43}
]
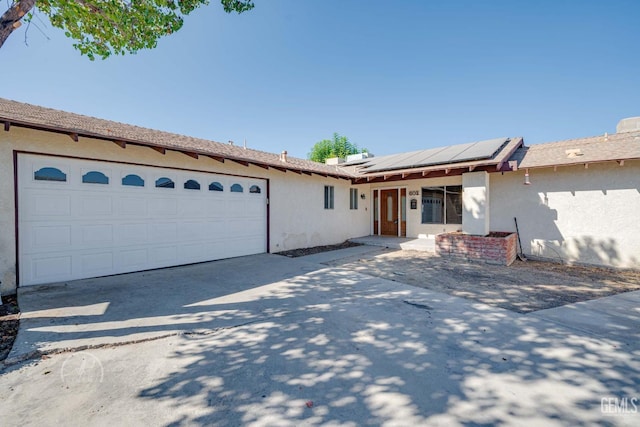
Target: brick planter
[{"x": 496, "y": 248}]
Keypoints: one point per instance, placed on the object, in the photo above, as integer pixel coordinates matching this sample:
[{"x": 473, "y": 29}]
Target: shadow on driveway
[
  {"x": 278, "y": 341},
  {"x": 137, "y": 306}
]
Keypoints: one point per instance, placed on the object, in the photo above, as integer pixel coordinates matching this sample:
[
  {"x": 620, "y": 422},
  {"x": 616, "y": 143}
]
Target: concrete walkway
[
  {"x": 270, "y": 340},
  {"x": 412, "y": 244},
  {"x": 616, "y": 317}
]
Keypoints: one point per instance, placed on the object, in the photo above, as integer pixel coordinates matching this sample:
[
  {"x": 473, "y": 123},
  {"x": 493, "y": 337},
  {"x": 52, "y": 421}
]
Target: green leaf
[
  {"x": 339, "y": 146},
  {"x": 102, "y": 28}
]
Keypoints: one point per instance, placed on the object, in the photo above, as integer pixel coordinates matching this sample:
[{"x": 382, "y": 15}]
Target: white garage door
[{"x": 81, "y": 218}]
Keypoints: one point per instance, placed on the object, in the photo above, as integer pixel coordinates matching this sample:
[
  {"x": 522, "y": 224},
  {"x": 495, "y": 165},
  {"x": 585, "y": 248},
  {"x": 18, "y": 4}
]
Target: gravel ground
[
  {"x": 522, "y": 287},
  {"x": 294, "y": 253},
  {"x": 9, "y": 314}
]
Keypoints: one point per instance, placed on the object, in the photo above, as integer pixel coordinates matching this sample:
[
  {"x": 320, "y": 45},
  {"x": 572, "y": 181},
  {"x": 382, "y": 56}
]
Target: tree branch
[{"x": 10, "y": 20}]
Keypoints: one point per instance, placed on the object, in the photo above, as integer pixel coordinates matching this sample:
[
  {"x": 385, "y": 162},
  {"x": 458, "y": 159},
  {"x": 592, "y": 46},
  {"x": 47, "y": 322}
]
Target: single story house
[{"x": 84, "y": 197}]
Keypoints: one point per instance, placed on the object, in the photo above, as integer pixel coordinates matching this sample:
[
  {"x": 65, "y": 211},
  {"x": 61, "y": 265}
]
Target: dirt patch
[
  {"x": 9, "y": 315},
  {"x": 522, "y": 287},
  {"x": 294, "y": 253}
]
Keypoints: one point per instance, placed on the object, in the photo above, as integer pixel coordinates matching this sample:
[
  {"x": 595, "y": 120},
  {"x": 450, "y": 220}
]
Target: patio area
[{"x": 405, "y": 243}]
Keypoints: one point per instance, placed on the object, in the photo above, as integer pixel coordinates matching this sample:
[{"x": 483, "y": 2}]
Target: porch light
[{"x": 526, "y": 177}]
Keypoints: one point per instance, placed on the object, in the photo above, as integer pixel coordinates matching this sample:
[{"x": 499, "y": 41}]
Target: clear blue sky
[{"x": 392, "y": 76}]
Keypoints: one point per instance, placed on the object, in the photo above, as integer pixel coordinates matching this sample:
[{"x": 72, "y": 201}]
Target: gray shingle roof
[
  {"x": 617, "y": 146},
  {"x": 32, "y": 116}
]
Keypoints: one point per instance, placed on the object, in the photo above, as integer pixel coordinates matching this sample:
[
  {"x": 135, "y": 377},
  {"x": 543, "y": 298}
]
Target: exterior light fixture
[
  {"x": 526, "y": 177},
  {"x": 362, "y": 196}
]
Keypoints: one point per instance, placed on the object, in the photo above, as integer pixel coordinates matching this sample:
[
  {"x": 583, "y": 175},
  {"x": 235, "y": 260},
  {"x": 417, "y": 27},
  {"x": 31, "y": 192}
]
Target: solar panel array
[{"x": 436, "y": 156}]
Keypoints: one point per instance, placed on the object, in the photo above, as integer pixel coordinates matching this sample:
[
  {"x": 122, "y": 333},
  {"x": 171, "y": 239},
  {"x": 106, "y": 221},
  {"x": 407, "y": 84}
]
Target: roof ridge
[{"x": 589, "y": 138}]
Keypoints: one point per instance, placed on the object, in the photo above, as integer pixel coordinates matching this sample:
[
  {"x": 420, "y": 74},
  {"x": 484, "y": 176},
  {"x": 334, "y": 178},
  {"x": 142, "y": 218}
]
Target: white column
[{"x": 475, "y": 203}]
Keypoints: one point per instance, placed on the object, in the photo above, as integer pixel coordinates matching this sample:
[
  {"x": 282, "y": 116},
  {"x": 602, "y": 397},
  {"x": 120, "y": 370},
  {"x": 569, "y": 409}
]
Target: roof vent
[
  {"x": 283, "y": 156},
  {"x": 359, "y": 156},
  {"x": 334, "y": 161},
  {"x": 631, "y": 124},
  {"x": 230, "y": 142},
  {"x": 575, "y": 152}
]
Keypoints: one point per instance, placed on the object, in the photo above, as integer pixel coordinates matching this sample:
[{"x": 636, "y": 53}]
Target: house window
[
  {"x": 50, "y": 174},
  {"x": 95, "y": 177},
  {"x": 236, "y": 188},
  {"x": 192, "y": 185},
  {"x": 255, "y": 189},
  {"x": 442, "y": 205},
  {"x": 216, "y": 186},
  {"x": 133, "y": 181},
  {"x": 165, "y": 182},
  {"x": 353, "y": 198},
  {"x": 328, "y": 196}
]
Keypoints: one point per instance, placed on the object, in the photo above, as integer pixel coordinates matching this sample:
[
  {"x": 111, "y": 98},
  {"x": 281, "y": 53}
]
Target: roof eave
[
  {"x": 74, "y": 134},
  {"x": 620, "y": 160}
]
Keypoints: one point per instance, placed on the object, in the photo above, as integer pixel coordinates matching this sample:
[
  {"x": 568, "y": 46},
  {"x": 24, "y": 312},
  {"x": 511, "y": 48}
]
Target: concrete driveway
[{"x": 269, "y": 340}]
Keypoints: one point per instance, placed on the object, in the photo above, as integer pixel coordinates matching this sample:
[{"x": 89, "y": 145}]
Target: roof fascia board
[
  {"x": 584, "y": 164},
  {"x": 238, "y": 161},
  {"x": 438, "y": 173},
  {"x": 74, "y": 133}
]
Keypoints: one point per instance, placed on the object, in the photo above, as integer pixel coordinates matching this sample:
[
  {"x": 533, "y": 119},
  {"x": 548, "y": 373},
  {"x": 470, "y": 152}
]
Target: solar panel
[
  {"x": 393, "y": 160},
  {"x": 481, "y": 150},
  {"x": 437, "y": 156}
]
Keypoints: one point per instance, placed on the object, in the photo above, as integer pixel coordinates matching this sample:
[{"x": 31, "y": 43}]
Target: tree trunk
[{"x": 10, "y": 20}]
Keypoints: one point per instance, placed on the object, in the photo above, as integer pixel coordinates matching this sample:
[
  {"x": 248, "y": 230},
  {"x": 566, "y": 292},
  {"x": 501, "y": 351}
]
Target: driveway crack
[{"x": 39, "y": 354}]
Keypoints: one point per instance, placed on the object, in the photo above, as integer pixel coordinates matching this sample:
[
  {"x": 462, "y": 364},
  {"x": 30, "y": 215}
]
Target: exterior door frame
[{"x": 399, "y": 189}]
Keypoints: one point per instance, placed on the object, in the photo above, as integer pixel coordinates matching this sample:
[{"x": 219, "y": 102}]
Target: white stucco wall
[
  {"x": 415, "y": 227},
  {"x": 589, "y": 216},
  {"x": 475, "y": 203},
  {"x": 297, "y": 215}
]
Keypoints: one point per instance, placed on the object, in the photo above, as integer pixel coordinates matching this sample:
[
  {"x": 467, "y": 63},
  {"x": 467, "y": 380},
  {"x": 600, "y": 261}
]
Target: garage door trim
[{"x": 18, "y": 154}]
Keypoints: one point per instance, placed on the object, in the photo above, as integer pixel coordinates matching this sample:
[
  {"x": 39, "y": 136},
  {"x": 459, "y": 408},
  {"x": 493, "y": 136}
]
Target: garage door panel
[
  {"x": 216, "y": 249},
  {"x": 194, "y": 252},
  {"x": 243, "y": 225},
  {"x": 54, "y": 268},
  {"x": 163, "y": 255},
  {"x": 191, "y": 208},
  {"x": 43, "y": 205},
  {"x": 132, "y": 206},
  {"x": 238, "y": 246},
  {"x": 163, "y": 206},
  {"x": 71, "y": 230},
  {"x": 131, "y": 233},
  {"x": 255, "y": 243},
  {"x": 235, "y": 208},
  {"x": 192, "y": 230},
  {"x": 218, "y": 212},
  {"x": 44, "y": 237},
  {"x": 215, "y": 199},
  {"x": 99, "y": 234},
  {"x": 95, "y": 206},
  {"x": 93, "y": 264},
  {"x": 164, "y": 232},
  {"x": 133, "y": 259},
  {"x": 214, "y": 228},
  {"x": 250, "y": 228}
]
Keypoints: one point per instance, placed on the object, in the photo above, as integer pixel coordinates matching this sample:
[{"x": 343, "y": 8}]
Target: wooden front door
[{"x": 389, "y": 212}]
